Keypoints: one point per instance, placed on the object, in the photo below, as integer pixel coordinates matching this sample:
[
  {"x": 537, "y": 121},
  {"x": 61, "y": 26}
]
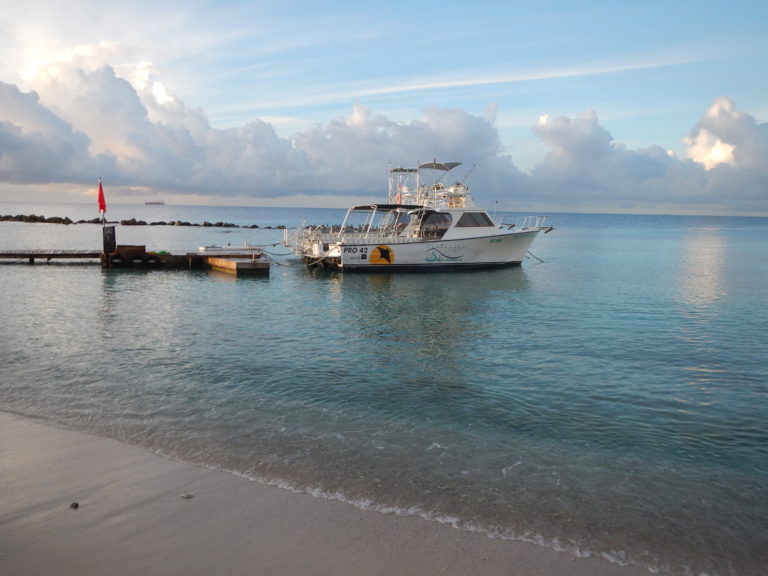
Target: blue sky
[{"x": 563, "y": 106}]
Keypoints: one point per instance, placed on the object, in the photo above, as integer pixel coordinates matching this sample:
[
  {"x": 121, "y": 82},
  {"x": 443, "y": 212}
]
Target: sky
[{"x": 558, "y": 106}]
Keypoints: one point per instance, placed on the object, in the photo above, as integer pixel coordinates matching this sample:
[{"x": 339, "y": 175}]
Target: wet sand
[{"x": 139, "y": 513}]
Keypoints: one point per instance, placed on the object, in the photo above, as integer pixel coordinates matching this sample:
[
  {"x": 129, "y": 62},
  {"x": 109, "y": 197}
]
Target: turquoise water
[{"x": 609, "y": 401}]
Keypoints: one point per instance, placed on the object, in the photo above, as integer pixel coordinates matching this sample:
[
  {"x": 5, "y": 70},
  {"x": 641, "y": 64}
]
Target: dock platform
[{"x": 238, "y": 265}]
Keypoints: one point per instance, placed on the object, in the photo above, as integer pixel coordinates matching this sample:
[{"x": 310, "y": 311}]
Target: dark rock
[
  {"x": 58, "y": 220},
  {"x": 128, "y": 222}
]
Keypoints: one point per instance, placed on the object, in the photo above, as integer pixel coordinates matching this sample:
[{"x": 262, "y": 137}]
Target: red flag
[{"x": 102, "y": 202}]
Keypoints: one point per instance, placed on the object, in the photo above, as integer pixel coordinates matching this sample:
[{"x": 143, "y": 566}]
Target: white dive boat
[{"x": 422, "y": 226}]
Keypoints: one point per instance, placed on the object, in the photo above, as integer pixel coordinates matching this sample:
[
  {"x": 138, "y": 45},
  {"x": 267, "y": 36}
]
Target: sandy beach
[{"x": 139, "y": 513}]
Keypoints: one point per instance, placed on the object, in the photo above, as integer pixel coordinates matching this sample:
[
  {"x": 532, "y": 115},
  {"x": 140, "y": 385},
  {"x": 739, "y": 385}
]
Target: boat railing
[
  {"x": 289, "y": 242},
  {"x": 312, "y": 235},
  {"x": 529, "y": 223},
  {"x": 292, "y": 237},
  {"x": 349, "y": 235},
  {"x": 374, "y": 238},
  {"x": 301, "y": 236}
]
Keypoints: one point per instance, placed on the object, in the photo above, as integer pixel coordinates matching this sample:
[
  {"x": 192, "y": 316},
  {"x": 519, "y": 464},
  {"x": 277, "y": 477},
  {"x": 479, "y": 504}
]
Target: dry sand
[{"x": 132, "y": 519}]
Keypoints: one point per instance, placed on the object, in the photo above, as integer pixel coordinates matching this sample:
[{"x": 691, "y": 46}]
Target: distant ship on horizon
[{"x": 155, "y": 203}]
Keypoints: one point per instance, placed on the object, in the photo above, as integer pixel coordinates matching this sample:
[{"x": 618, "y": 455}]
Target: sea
[{"x": 608, "y": 397}]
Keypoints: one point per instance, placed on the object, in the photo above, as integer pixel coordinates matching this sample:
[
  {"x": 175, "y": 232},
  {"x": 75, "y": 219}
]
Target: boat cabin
[{"x": 409, "y": 222}]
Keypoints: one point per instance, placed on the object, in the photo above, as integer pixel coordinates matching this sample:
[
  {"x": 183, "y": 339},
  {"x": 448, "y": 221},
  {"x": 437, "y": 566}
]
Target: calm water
[{"x": 610, "y": 401}]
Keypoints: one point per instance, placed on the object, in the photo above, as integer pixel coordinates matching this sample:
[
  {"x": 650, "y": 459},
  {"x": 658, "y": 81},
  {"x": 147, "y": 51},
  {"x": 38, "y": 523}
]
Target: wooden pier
[
  {"x": 48, "y": 255},
  {"x": 136, "y": 257},
  {"x": 246, "y": 260}
]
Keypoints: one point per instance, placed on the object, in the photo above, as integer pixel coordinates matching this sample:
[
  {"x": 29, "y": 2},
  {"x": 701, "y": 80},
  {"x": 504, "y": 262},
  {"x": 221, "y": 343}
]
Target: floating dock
[{"x": 238, "y": 265}]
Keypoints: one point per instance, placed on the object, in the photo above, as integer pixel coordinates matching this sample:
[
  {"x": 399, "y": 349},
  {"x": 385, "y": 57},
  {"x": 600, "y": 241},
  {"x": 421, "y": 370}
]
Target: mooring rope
[
  {"x": 533, "y": 255},
  {"x": 276, "y": 253},
  {"x": 284, "y": 265}
]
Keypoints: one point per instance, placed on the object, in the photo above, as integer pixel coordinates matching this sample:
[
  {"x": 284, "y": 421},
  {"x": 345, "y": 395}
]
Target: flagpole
[
  {"x": 107, "y": 234},
  {"x": 102, "y": 205}
]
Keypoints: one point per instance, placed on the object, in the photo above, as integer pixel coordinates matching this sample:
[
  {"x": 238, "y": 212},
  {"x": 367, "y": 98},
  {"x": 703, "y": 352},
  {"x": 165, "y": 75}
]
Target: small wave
[
  {"x": 618, "y": 557},
  {"x": 507, "y": 469}
]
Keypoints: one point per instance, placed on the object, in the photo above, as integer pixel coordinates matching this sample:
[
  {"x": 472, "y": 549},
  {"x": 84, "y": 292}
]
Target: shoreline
[
  {"x": 66, "y": 220},
  {"x": 139, "y": 513}
]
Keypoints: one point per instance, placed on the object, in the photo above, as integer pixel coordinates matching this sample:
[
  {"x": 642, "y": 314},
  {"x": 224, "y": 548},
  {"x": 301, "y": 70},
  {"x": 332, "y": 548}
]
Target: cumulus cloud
[
  {"x": 585, "y": 164},
  {"x": 733, "y": 148},
  {"x": 157, "y": 142},
  {"x": 728, "y": 136},
  {"x": 87, "y": 119},
  {"x": 575, "y": 142},
  {"x": 36, "y": 146},
  {"x": 350, "y": 153},
  {"x": 722, "y": 169}
]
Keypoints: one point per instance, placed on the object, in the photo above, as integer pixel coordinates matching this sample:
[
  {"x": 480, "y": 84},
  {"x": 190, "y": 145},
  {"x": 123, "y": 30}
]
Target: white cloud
[
  {"x": 351, "y": 153},
  {"x": 578, "y": 143},
  {"x": 728, "y": 136},
  {"x": 585, "y": 166},
  {"x": 707, "y": 149},
  {"x": 36, "y": 146},
  {"x": 87, "y": 119}
]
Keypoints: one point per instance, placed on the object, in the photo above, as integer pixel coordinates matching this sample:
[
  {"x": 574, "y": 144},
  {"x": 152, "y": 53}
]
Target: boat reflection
[{"x": 437, "y": 316}]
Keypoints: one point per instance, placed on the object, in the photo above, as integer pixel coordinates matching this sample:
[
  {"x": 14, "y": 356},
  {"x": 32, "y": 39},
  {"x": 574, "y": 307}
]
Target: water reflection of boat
[{"x": 424, "y": 224}]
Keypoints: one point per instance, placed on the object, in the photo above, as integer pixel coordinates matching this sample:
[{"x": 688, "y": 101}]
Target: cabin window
[
  {"x": 436, "y": 224},
  {"x": 438, "y": 220},
  {"x": 474, "y": 220}
]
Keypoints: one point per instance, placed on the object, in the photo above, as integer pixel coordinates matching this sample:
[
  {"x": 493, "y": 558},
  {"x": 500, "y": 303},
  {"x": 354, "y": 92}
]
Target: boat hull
[{"x": 456, "y": 254}]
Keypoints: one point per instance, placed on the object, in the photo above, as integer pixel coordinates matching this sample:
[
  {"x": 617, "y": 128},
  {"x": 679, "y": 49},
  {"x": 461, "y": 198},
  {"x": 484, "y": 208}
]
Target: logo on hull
[
  {"x": 435, "y": 255},
  {"x": 382, "y": 255}
]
